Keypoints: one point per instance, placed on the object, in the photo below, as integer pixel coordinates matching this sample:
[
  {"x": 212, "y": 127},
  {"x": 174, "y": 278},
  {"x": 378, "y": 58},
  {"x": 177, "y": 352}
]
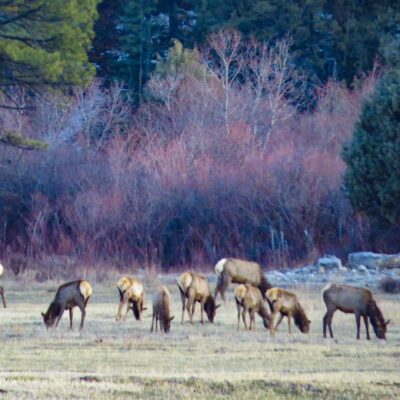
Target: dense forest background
[{"x": 171, "y": 133}]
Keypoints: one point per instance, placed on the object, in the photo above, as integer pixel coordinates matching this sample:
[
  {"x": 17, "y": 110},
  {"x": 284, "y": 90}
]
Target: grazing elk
[
  {"x": 353, "y": 300},
  {"x": 285, "y": 303},
  {"x": 161, "y": 312},
  {"x": 2, "y": 289},
  {"x": 250, "y": 299},
  {"x": 131, "y": 293},
  {"x": 69, "y": 295},
  {"x": 233, "y": 270},
  {"x": 195, "y": 288}
]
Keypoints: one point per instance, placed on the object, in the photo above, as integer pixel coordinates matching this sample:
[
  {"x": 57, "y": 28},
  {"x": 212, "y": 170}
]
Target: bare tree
[
  {"x": 277, "y": 86},
  {"x": 225, "y": 60}
]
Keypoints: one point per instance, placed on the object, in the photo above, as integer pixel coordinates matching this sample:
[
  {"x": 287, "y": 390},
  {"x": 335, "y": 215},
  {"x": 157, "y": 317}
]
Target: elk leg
[
  {"x": 358, "y": 320},
  {"x": 83, "y": 313},
  {"x": 119, "y": 312},
  {"x": 244, "y": 318},
  {"x": 183, "y": 299},
  {"x": 366, "y": 326},
  {"x": 128, "y": 307},
  {"x": 253, "y": 319},
  {"x": 157, "y": 322},
  {"x": 2, "y": 297},
  {"x": 201, "y": 310},
  {"x": 275, "y": 310},
  {"x": 152, "y": 323},
  {"x": 327, "y": 321},
  {"x": 190, "y": 309},
  {"x": 225, "y": 282},
  {"x": 238, "y": 310},
  {"x": 217, "y": 288},
  {"x": 60, "y": 314},
  {"x": 330, "y": 318},
  {"x": 70, "y": 317},
  {"x": 193, "y": 308},
  {"x": 289, "y": 321},
  {"x": 279, "y": 321}
]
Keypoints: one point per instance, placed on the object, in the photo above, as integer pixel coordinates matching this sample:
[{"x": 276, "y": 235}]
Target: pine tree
[
  {"x": 45, "y": 42},
  {"x": 372, "y": 180}
]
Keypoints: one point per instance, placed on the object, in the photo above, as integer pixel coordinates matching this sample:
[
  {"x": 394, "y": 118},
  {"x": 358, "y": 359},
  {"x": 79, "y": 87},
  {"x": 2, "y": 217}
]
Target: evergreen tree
[
  {"x": 105, "y": 52},
  {"x": 372, "y": 180},
  {"x": 45, "y": 42}
]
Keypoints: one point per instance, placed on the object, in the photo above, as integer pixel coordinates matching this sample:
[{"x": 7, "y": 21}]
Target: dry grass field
[{"x": 110, "y": 360}]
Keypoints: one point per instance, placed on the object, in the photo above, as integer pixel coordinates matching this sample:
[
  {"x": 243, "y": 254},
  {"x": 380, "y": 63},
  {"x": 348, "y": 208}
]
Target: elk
[
  {"x": 131, "y": 293},
  {"x": 2, "y": 289},
  {"x": 249, "y": 300},
  {"x": 68, "y": 296},
  {"x": 285, "y": 303},
  {"x": 161, "y": 312},
  {"x": 195, "y": 288},
  {"x": 233, "y": 270},
  {"x": 353, "y": 300}
]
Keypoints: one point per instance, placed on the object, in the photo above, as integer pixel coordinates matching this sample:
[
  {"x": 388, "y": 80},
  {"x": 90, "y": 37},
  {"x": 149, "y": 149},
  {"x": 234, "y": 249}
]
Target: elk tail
[{"x": 219, "y": 266}]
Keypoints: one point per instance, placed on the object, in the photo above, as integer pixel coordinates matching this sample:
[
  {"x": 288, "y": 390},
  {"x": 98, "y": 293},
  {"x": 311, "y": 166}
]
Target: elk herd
[{"x": 254, "y": 295}]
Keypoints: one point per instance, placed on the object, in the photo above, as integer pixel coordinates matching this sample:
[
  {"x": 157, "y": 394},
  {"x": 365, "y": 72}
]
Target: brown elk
[
  {"x": 68, "y": 296},
  {"x": 195, "y": 288},
  {"x": 131, "y": 293},
  {"x": 250, "y": 300},
  {"x": 2, "y": 289},
  {"x": 353, "y": 300},
  {"x": 285, "y": 303},
  {"x": 161, "y": 309},
  {"x": 233, "y": 270}
]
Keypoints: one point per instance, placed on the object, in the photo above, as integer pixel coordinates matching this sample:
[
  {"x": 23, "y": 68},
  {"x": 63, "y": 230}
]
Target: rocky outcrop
[
  {"x": 373, "y": 260},
  {"x": 330, "y": 263}
]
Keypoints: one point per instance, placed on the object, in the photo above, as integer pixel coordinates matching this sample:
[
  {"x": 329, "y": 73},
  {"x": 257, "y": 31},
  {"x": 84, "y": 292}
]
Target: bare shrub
[{"x": 390, "y": 285}]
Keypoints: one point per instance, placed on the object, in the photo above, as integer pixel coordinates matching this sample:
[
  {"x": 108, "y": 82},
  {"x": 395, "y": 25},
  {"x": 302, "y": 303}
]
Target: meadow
[{"x": 110, "y": 360}]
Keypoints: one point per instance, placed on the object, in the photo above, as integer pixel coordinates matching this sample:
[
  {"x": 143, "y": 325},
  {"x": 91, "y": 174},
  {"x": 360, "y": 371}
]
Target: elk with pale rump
[
  {"x": 131, "y": 293},
  {"x": 250, "y": 299},
  {"x": 353, "y": 300},
  {"x": 195, "y": 288},
  {"x": 233, "y": 270},
  {"x": 161, "y": 312},
  {"x": 68, "y": 296},
  {"x": 285, "y": 303},
  {"x": 2, "y": 289}
]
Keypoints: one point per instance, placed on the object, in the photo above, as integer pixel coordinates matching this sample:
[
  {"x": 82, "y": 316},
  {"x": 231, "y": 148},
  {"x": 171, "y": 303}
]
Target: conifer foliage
[{"x": 372, "y": 180}]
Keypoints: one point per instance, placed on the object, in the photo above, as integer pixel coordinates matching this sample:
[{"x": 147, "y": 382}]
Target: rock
[
  {"x": 362, "y": 268},
  {"x": 329, "y": 262},
  {"x": 374, "y": 260}
]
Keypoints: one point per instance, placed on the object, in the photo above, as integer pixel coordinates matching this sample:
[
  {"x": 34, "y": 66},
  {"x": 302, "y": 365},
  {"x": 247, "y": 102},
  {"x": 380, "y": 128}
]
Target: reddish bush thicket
[{"x": 188, "y": 178}]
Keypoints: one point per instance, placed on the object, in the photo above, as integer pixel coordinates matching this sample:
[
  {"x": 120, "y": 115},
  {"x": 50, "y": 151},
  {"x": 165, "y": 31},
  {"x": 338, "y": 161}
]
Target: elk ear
[
  {"x": 387, "y": 322},
  {"x": 144, "y": 308},
  {"x": 172, "y": 318},
  {"x": 42, "y": 314},
  {"x": 217, "y": 306}
]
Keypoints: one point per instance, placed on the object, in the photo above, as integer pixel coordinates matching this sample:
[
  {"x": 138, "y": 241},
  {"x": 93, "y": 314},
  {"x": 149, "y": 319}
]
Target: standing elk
[
  {"x": 131, "y": 293},
  {"x": 2, "y": 289},
  {"x": 161, "y": 309},
  {"x": 353, "y": 300},
  {"x": 68, "y": 296},
  {"x": 233, "y": 270},
  {"x": 285, "y": 303},
  {"x": 250, "y": 299},
  {"x": 195, "y": 288}
]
